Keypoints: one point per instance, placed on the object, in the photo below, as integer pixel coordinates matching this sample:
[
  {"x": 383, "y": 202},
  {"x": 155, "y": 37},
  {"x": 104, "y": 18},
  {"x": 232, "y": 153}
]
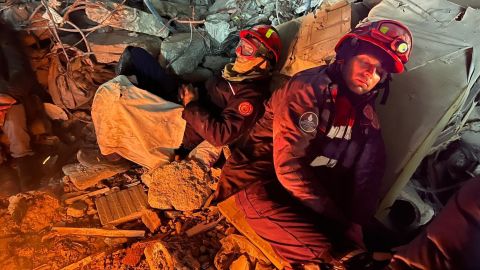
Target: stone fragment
[
  {"x": 126, "y": 18},
  {"x": 151, "y": 220},
  {"x": 108, "y": 47},
  {"x": 34, "y": 211},
  {"x": 183, "y": 52},
  {"x": 179, "y": 185},
  {"x": 84, "y": 177},
  {"x": 218, "y": 27},
  {"x": 77, "y": 209}
]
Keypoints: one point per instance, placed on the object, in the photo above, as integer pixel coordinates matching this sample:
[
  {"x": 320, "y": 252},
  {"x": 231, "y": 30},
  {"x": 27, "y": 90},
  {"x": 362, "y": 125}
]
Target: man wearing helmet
[
  {"x": 227, "y": 106},
  {"x": 312, "y": 166}
]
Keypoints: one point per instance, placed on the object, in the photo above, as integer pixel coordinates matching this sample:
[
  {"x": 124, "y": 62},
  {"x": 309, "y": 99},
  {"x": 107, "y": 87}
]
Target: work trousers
[
  {"x": 151, "y": 76},
  {"x": 295, "y": 232},
  {"x": 15, "y": 128}
]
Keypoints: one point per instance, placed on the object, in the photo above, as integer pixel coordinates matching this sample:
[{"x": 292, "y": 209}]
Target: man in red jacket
[
  {"x": 312, "y": 166},
  {"x": 227, "y": 106}
]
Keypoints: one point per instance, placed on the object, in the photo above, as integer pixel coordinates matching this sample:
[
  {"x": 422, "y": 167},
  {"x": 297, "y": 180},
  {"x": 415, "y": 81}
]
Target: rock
[
  {"x": 218, "y": 27},
  {"x": 34, "y": 211},
  {"x": 215, "y": 63},
  {"x": 178, "y": 185},
  {"x": 221, "y": 5},
  {"x": 84, "y": 177},
  {"x": 178, "y": 10},
  {"x": 172, "y": 214},
  {"x": 77, "y": 209},
  {"x": 127, "y": 18},
  {"x": 233, "y": 245},
  {"x": 151, "y": 220},
  {"x": 158, "y": 257},
  {"x": 182, "y": 53},
  {"x": 108, "y": 47}
]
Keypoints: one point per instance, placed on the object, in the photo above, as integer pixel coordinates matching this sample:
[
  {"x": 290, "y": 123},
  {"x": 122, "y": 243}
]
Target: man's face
[{"x": 362, "y": 73}]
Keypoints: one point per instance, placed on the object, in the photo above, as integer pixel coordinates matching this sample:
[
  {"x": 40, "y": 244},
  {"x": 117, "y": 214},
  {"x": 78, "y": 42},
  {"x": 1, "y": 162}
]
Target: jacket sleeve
[
  {"x": 369, "y": 171},
  {"x": 224, "y": 128},
  {"x": 290, "y": 146}
]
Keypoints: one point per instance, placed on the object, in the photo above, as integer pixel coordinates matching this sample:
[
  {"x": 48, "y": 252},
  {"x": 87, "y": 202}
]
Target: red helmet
[
  {"x": 391, "y": 36},
  {"x": 267, "y": 35}
]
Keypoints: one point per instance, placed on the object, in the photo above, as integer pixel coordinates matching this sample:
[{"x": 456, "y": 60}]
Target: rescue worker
[
  {"x": 18, "y": 103},
  {"x": 311, "y": 168},
  {"x": 451, "y": 240},
  {"x": 228, "y": 105}
]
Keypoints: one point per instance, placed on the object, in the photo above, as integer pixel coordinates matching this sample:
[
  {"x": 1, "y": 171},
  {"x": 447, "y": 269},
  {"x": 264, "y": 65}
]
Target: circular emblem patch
[
  {"x": 308, "y": 122},
  {"x": 245, "y": 108}
]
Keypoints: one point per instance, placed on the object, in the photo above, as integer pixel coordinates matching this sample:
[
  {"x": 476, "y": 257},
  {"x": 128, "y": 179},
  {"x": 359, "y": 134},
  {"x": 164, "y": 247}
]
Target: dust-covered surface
[{"x": 179, "y": 185}]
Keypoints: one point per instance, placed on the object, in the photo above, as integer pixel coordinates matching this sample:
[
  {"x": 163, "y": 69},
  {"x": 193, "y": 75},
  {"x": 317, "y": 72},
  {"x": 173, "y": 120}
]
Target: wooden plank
[{"x": 98, "y": 232}]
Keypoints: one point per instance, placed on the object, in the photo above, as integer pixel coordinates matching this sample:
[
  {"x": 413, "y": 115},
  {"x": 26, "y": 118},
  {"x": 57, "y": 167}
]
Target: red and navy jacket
[
  {"x": 321, "y": 142},
  {"x": 226, "y": 112}
]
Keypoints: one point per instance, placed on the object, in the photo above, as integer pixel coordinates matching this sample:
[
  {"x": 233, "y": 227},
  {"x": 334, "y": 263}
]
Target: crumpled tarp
[
  {"x": 136, "y": 124},
  {"x": 436, "y": 84}
]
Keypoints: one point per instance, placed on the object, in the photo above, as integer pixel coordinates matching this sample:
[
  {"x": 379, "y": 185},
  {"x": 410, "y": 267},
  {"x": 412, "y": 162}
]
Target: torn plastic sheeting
[
  {"x": 424, "y": 98},
  {"x": 125, "y": 17},
  {"x": 136, "y": 124}
]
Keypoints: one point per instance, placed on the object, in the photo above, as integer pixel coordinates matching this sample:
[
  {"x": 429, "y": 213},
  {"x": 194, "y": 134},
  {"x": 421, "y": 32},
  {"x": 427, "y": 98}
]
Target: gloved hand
[{"x": 187, "y": 93}]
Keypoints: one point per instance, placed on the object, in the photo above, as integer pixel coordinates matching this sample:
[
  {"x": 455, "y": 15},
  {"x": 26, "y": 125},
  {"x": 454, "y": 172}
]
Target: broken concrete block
[
  {"x": 121, "y": 206},
  {"x": 166, "y": 255},
  {"x": 215, "y": 63},
  {"x": 236, "y": 244},
  {"x": 183, "y": 52},
  {"x": 108, "y": 47},
  {"x": 83, "y": 177},
  {"x": 179, "y": 10},
  {"x": 218, "y": 27},
  {"x": 315, "y": 36},
  {"x": 223, "y": 5},
  {"x": 158, "y": 257},
  {"x": 151, "y": 220},
  {"x": 178, "y": 185},
  {"x": 126, "y": 18},
  {"x": 77, "y": 209},
  {"x": 34, "y": 211}
]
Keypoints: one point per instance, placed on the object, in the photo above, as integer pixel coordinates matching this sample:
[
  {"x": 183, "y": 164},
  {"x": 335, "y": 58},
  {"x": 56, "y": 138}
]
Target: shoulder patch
[
  {"x": 245, "y": 108},
  {"x": 308, "y": 122}
]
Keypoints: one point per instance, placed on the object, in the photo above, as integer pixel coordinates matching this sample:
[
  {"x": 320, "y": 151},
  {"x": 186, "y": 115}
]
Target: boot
[
  {"x": 28, "y": 173},
  {"x": 124, "y": 65}
]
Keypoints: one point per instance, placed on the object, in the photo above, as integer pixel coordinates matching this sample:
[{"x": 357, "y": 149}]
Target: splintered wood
[{"x": 122, "y": 206}]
